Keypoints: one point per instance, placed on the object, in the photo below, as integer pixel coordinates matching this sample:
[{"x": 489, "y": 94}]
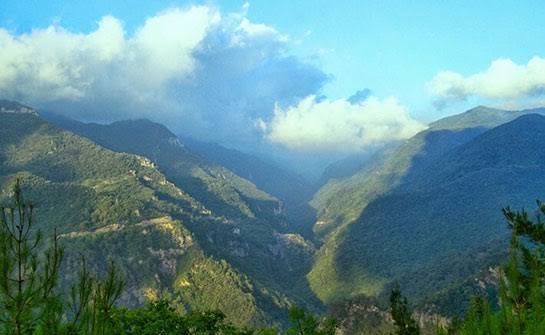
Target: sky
[{"x": 303, "y": 77}]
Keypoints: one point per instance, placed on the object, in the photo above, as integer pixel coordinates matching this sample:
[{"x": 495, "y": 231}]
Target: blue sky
[
  {"x": 434, "y": 57},
  {"x": 395, "y": 47},
  {"x": 391, "y": 47}
]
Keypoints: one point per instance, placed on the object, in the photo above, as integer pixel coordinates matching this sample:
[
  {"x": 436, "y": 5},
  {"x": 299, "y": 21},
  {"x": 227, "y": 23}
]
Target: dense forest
[
  {"x": 119, "y": 235},
  {"x": 31, "y": 301},
  {"x": 272, "y": 167}
]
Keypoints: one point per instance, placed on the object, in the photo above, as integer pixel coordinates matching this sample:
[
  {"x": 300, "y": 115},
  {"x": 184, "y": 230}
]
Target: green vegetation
[
  {"x": 402, "y": 314},
  {"x": 520, "y": 307},
  {"x": 219, "y": 189},
  {"x": 342, "y": 200},
  {"x": 27, "y": 284},
  {"x": 190, "y": 238},
  {"x": 254, "y": 236},
  {"x": 31, "y": 301},
  {"x": 118, "y": 206},
  {"x": 303, "y": 323},
  {"x": 415, "y": 217},
  {"x": 292, "y": 190}
]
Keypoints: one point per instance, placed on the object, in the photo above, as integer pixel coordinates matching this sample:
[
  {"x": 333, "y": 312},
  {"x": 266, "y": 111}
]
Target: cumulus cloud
[
  {"x": 205, "y": 73},
  {"x": 54, "y": 64},
  {"x": 503, "y": 80},
  {"x": 211, "y": 75},
  {"x": 340, "y": 125}
]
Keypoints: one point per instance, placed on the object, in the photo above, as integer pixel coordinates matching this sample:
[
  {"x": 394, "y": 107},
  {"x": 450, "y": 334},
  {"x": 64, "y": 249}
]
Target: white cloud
[
  {"x": 45, "y": 64},
  {"x": 164, "y": 45},
  {"x": 504, "y": 79},
  {"x": 206, "y": 74},
  {"x": 340, "y": 125},
  {"x": 108, "y": 41},
  {"x": 53, "y": 64}
]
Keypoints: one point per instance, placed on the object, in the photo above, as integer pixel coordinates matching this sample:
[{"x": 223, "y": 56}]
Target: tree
[
  {"x": 28, "y": 275},
  {"x": 30, "y": 303},
  {"x": 522, "y": 283},
  {"x": 91, "y": 304},
  {"x": 402, "y": 314},
  {"x": 303, "y": 323},
  {"x": 157, "y": 318},
  {"x": 160, "y": 318}
]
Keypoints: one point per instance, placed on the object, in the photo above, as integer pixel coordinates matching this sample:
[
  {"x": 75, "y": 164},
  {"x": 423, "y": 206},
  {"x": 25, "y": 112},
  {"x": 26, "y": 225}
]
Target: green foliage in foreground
[
  {"x": 402, "y": 314},
  {"x": 27, "y": 297},
  {"x": 161, "y": 318},
  {"x": 304, "y": 323},
  {"x": 30, "y": 302},
  {"x": 118, "y": 206},
  {"x": 522, "y": 284},
  {"x": 521, "y": 295}
]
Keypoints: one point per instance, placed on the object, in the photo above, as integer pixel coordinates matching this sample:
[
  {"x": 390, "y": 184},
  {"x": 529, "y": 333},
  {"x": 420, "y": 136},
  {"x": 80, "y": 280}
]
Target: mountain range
[
  {"x": 212, "y": 227},
  {"x": 232, "y": 251},
  {"x": 427, "y": 215}
]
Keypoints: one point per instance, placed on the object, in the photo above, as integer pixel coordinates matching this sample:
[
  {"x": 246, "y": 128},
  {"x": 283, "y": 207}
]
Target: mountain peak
[
  {"x": 144, "y": 125},
  {"x": 482, "y": 108},
  {"x": 480, "y": 116}
]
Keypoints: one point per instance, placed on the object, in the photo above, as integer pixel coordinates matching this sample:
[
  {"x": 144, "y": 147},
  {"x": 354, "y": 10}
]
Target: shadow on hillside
[{"x": 425, "y": 237}]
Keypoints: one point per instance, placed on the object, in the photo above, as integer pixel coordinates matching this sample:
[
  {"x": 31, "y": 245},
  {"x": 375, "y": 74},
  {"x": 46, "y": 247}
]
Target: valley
[{"x": 215, "y": 228}]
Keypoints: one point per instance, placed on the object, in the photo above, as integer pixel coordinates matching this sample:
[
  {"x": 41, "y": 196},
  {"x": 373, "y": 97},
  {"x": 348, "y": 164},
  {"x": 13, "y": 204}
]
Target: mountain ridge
[
  {"x": 393, "y": 184},
  {"x": 280, "y": 257},
  {"x": 119, "y": 205}
]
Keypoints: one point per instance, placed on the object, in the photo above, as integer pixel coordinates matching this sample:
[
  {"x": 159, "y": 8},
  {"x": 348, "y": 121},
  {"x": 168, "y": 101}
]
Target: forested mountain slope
[
  {"x": 403, "y": 217},
  {"x": 291, "y": 189},
  {"x": 342, "y": 200},
  {"x": 119, "y": 206},
  {"x": 262, "y": 245},
  {"x": 218, "y": 188},
  {"x": 272, "y": 179}
]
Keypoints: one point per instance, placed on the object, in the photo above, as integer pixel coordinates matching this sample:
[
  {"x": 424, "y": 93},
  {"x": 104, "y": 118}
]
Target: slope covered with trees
[
  {"x": 257, "y": 239},
  {"x": 106, "y": 205},
  {"x": 218, "y": 188},
  {"x": 293, "y": 190},
  {"x": 31, "y": 301},
  {"x": 408, "y": 217}
]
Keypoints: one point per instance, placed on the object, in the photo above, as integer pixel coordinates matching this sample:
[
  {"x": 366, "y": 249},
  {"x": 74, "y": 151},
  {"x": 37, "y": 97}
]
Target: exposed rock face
[{"x": 14, "y": 107}]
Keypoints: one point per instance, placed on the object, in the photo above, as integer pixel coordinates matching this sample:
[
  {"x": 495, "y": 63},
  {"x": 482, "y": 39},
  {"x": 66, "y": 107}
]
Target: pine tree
[
  {"x": 522, "y": 283},
  {"x": 303, "y": 323},
  {"x": 402, "y": 314},
  {"x": 28, "y": 275},
  {"x": 91, "y": 303}
]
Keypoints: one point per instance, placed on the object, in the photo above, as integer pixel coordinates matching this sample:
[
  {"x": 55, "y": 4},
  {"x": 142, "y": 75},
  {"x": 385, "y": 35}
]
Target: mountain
[
  {"x": 351, "y": 164},
  {"x": 213, "y": 227},
  {"x": 221, "y": 190},
  {"x": 7, "y": 106},
  {"x": 274, "y": 180},
  {"x": 120, "y": 206},
  {"x": 291, "y": 189},
  {"x": 423, "y": 211},
  {"x": 263, "y": 246},
  {"x": 341, "y": 200},
  {"x": 481, "y": 116}
]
